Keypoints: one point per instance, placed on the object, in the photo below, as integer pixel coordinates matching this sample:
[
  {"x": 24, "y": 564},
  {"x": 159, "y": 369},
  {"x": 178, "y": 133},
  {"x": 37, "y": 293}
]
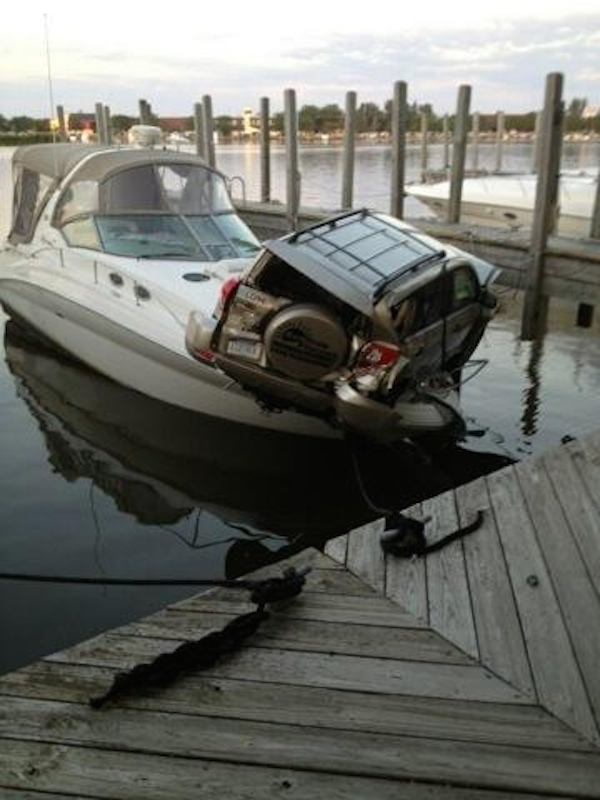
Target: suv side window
[
  {"x": 465, "y": 288},
  {"x": 421, "y": 310}
]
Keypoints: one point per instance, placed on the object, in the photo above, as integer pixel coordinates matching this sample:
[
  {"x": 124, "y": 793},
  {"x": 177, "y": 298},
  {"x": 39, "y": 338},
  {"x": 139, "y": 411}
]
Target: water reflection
[
  {"x": 532, "y": 400},
  {"x": 533, "y": 393},
  {"x": 160, "y": 462}
]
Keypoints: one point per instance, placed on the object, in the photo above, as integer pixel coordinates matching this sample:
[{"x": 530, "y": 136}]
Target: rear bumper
[
  {"x": 419, "y": 412},
  {"x": 430, "y": 413}
]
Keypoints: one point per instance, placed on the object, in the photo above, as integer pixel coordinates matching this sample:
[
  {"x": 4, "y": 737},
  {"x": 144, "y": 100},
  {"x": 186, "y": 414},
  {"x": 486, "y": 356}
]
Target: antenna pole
[{"x": 49, "y": 72}]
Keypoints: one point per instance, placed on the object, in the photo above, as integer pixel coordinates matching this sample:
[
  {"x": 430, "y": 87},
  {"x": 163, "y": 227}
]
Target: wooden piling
[
  {"x": 499, "y": 139},
  {"x": 265, "y": 152},
  {"x": 399, "y": 125},
  {"x": 207, "y": 128},
  {"x": 107, "y": 125},
  {"x": 424, "y": 146},
  {"x": 459, "y": 152},
  {"x": 585, "y": 312},
  {"x": 546, "y": 204},
  {"x": 199, "y": 133},
  {"x": 475, "y": 141},
  {"x": 536, "y": 143},
  {"x": 62, "y": 127},
  {"x": 291, "y": 150},
  {"x": 100, "y": 123},
  {"x": 145, "y": 114},
  {"x": 349, "y": 143},
  {"x": 446, "y": 138},
  {"x": 595, "y": 224}
]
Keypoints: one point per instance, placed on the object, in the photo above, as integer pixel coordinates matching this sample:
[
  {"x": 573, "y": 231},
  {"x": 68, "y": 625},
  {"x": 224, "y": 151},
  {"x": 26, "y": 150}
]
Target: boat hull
[{"x": 145, "y": 365}]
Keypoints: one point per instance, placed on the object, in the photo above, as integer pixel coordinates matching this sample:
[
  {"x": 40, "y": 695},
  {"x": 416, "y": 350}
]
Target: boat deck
[{"x": 471, "y": 673}]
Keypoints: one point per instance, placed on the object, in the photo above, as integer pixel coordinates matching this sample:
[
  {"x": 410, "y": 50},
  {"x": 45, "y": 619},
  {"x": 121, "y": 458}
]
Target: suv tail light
[
  {"x": 376, "y": 356},
  {"x": 227, "y": 289},
  {"x": 374, "y": 361}
]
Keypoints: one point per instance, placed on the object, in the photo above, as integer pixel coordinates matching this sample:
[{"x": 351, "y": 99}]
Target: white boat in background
[
  {"x": 135, "y": 261},
  {"x": 178, "y": 139},
  {"x": 508, "y": 200}
]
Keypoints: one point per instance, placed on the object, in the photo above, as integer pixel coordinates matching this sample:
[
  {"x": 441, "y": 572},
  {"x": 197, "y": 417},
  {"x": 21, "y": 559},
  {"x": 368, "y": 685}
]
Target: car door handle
[{"x": 115, "y": 278}]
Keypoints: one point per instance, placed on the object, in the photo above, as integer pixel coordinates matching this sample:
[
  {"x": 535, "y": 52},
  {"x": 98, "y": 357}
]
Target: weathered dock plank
[
  {"x": 405, "y": 579},
  {"x": 555, "y": 671},
  {"x": 245, "y": 698},
  {"x": 575, "y": 474},
  {"x": 86, "y": 773},
  {"x": 567, "y": 569},
  {"x": 495, "y": 613},
  {"x": 450, "y": 610},
  {"x": 308, "y": 748},
  {"x": 367, "y": 610},
  {"x": 366, "y": 560},
  {"x": 298, "y": 634}
]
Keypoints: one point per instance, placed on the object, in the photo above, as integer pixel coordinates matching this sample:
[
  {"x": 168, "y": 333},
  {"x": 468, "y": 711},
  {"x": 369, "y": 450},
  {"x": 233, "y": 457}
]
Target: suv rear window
[{"x": 369, "y": 248}]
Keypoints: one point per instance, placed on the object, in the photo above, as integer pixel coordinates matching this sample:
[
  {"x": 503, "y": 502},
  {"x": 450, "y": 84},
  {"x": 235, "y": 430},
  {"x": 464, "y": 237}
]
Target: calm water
[{"x": 98, "y": 480}]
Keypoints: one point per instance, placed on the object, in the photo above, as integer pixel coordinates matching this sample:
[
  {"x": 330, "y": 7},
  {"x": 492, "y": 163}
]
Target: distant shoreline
[{"x": 511, "y": 137}]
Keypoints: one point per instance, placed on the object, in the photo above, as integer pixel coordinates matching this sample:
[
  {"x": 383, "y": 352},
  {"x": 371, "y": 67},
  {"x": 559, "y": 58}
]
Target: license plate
[{"x": 244, "y": 349}]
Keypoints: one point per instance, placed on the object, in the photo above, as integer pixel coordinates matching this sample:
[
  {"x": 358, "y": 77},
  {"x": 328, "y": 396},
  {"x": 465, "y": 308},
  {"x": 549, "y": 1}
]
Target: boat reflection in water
[{"x": 162, "y": 463}]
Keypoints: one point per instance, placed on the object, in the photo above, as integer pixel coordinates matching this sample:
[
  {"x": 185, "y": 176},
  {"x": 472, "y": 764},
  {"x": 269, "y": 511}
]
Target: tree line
[{"x": 328, "y": 119}]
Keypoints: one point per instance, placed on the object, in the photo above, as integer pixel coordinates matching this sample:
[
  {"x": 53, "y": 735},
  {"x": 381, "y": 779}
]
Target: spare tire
[{"x": 305, "y": 342}]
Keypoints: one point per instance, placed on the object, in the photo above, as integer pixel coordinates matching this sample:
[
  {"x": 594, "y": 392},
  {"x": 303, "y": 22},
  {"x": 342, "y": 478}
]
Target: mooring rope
[
  {"x": 198, "y": 654},
  {"x": 404, "y": 537},
  {"x": 205, "y": 652}
]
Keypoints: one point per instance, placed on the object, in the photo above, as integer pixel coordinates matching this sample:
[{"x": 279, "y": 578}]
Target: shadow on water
[{"x": 250, "y": 497}]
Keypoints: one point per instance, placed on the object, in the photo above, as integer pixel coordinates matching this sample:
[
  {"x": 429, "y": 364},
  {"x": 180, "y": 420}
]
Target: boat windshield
[{"x": 155, "y": 210}]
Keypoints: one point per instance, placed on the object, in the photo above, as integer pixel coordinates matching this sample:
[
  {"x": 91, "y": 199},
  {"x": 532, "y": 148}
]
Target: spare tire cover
[{"x": 305, "y": 342}]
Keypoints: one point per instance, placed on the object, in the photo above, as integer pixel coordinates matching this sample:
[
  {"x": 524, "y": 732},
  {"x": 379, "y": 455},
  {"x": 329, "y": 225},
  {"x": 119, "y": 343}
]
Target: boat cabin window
[
  {"x": 30, "y": 192},
  {"x": 79, "y": 198},
  {"x": 136, "y": 189},
  {"x": 82, "y": 232},
  {"x": 224, "y": 235},
  {"x": 156, "y": 211},
  {"x": 148, "y": 236},
  {"x": 193, "y": 190}
]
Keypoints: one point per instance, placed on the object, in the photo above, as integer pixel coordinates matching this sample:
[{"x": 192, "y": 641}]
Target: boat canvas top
[
  {"x": 92, "y": 173},
  {"x": 57, "y": 160}
]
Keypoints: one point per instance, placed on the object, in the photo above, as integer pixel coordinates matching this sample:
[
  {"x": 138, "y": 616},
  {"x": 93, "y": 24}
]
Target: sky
[{"x": 174, "y": 53}]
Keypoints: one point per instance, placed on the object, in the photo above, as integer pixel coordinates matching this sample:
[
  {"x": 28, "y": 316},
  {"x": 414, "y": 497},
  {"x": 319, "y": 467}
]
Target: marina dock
[{"x": 470, "y": 673}]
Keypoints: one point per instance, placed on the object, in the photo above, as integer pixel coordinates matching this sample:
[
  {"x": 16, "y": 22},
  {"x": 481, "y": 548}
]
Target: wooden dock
[{"x": 473, "y": 673}]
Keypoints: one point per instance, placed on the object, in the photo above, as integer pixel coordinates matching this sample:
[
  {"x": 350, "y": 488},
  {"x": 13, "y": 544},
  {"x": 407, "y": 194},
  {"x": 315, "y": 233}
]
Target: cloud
[{"x": 243, "y": 51}]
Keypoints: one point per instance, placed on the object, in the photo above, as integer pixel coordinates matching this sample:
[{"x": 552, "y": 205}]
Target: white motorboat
[
  {"x": 508, "y": 200},
  {"x": 114, "y": 253}
]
